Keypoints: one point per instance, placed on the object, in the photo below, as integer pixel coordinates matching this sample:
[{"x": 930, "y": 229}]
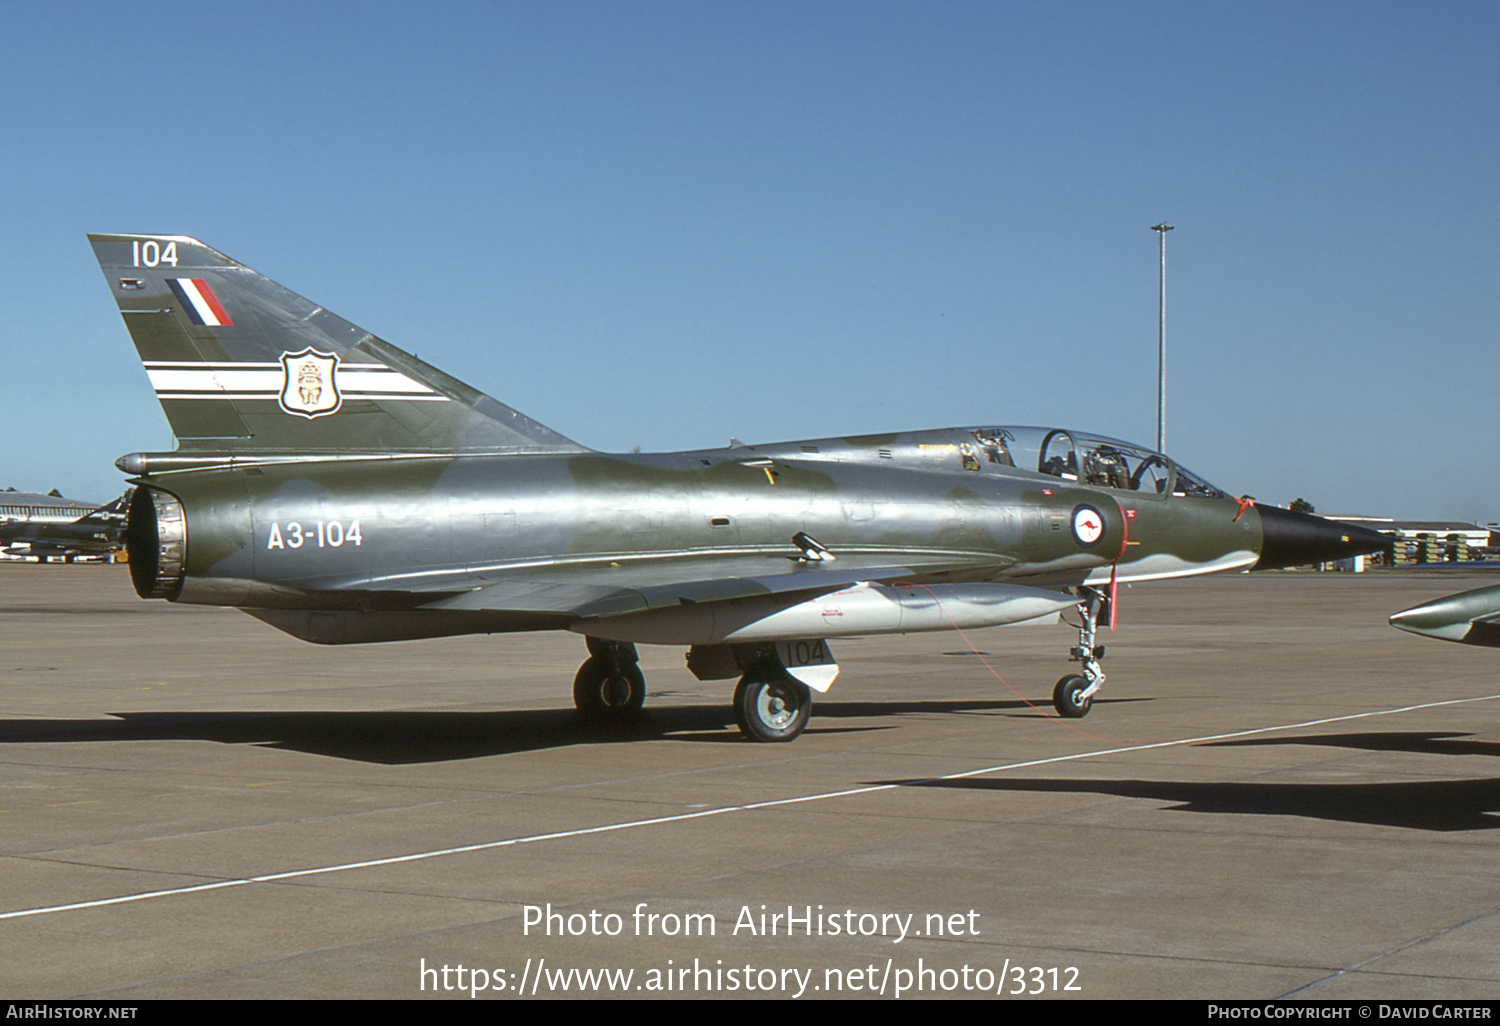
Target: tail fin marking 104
[{"x": 240, "y": 363}]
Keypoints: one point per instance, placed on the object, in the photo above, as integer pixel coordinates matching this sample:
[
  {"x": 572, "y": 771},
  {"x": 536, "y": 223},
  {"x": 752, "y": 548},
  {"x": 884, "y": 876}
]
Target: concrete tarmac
[{"x": 1276, "y": 794}]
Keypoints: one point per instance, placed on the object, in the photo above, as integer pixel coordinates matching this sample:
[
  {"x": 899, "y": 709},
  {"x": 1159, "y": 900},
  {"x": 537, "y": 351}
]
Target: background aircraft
[
  {"x": 1470, "y": 617},
  {"x": 342, "y": 490},
  {"x": 45, "y": 526}
]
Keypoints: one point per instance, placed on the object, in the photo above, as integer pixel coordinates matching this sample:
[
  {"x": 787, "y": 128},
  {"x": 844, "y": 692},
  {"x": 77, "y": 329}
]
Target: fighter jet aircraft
[
  {"x": 45, "y": 526},
  {"x": 343, "y": 490},
  {"x": 1470, "y": 617}
]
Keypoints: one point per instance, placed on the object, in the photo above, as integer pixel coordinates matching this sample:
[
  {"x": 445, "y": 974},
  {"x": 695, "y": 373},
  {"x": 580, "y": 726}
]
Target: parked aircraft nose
[
  {"x": 1297, "y": 539},
  {"x": 1466, "y": 617}
]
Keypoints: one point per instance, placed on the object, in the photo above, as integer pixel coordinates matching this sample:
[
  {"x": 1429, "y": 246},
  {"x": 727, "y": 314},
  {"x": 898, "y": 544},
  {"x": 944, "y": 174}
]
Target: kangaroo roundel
[
  {"x": 309, "y": 383},
  {"x": 1088, "y": 525}
]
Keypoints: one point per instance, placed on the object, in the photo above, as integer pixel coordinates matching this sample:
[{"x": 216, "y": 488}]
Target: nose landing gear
[{"x": 1074, "y": 694}]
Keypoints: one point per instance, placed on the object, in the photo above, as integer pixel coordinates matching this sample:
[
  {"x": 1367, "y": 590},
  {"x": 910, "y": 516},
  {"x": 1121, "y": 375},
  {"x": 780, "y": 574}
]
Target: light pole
[{"x": 1161, "y": 343}]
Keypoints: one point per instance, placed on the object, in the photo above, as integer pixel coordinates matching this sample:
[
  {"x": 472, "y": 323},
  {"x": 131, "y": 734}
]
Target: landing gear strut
[
  {"x": 1074, "y": 694},
  {"x": 609, "y": 683}
]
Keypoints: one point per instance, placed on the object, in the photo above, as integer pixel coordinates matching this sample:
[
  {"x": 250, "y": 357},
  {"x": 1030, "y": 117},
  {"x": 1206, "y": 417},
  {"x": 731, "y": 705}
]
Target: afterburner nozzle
[{"x": 1298, "y": 539}]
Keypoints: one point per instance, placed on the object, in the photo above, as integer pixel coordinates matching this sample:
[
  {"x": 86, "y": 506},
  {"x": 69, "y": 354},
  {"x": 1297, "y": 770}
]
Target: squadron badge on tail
[{"x": 309, "y": 383}]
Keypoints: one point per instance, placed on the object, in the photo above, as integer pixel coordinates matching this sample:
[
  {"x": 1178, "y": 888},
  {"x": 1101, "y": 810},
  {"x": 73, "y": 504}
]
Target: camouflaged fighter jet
[
  {"x": 48, "y": 526},
  {"x": 1470, "y": 617},
  {"x": 343, "y": 491}
]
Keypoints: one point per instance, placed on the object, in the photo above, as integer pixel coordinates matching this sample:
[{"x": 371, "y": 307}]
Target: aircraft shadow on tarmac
[
  {"x": 1436, "y": 805},
  {"x": 400, "y": 738},
  {"x": 1410, "y": 742}
]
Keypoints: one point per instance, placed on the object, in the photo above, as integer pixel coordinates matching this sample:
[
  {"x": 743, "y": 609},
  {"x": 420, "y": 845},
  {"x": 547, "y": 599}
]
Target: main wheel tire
[
  {"x": 1067, "y": 697},
  {"x": 600, "y": 690},
  {"x": 771, "y": 707}
]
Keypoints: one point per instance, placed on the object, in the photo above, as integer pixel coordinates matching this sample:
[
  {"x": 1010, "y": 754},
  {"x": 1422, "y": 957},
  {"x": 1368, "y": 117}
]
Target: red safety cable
[
  {"x": 1055, "y": 719},
  {"x": 1113, "y": 567}
]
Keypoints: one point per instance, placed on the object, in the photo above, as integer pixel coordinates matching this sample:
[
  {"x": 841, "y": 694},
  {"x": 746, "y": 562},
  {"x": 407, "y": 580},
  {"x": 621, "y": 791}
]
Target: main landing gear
[
  {"x": 1074, "y": 694},
  {"x": 770, "y": 704},
  {"x": 609, "y": 683}
]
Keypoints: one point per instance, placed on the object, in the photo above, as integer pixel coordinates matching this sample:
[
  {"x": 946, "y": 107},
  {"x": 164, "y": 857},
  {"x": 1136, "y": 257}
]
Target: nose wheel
[{"x": 1072, "y": 697}]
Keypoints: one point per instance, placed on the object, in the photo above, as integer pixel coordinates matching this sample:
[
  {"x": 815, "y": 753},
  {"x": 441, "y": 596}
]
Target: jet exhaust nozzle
[
  {"x": 155, "y": 534},
  {"x": 1289, "y": 538}
]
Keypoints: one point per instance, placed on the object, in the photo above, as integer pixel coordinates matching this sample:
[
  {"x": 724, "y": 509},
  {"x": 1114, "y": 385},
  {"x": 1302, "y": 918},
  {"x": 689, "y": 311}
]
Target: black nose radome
[{"x": 1297, "y": 539}]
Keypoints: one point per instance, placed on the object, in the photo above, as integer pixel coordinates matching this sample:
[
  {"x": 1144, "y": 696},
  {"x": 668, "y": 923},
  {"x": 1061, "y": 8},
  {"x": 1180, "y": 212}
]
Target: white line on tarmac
[{"x": 704, "y": 813}]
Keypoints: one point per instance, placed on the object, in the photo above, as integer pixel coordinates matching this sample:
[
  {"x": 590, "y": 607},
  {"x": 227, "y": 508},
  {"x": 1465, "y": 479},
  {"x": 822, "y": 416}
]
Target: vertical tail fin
[{"x": 240, "y": 363}]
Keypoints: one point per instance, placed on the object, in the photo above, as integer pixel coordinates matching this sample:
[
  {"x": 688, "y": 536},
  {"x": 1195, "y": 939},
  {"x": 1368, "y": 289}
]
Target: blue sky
[{"x": 663, "y": 224}]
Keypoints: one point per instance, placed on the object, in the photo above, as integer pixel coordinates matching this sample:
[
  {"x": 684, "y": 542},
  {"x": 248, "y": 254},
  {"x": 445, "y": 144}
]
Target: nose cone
[
  {"x": 1297, "y": 539},
  {"x": 1467, "y": 617}
]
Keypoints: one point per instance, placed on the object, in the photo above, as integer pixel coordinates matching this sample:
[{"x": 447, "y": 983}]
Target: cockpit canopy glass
[{"x": 1092, "y": 459}]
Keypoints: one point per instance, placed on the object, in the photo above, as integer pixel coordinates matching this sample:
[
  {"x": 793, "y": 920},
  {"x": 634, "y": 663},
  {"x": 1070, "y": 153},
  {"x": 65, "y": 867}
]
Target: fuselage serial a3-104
[{"x": 342, "y": 490}]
